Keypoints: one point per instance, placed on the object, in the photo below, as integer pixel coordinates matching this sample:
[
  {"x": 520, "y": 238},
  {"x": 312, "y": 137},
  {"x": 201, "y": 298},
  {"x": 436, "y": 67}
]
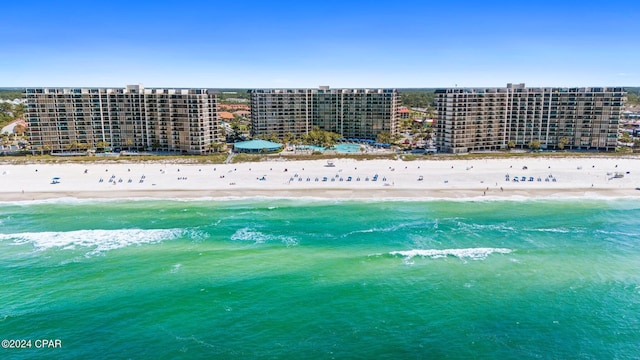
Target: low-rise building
[{"x": 403, "y": 112}]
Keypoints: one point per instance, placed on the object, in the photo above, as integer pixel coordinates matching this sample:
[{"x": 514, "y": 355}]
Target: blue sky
[{"x": 284, "y": 44}]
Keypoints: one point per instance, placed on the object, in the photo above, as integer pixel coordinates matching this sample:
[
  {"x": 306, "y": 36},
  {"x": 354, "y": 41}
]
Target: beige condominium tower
[
  {"x": 516, "y": 116},
  {"x": 353, "y": 113},
  {"x": 131, "y": 118}
]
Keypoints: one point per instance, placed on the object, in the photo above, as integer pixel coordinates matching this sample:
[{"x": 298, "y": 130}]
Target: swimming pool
[
  {"x": 310, "y": 147},
  {"x": 347, "y": 148},
  {"x": 341, "y": 148}
]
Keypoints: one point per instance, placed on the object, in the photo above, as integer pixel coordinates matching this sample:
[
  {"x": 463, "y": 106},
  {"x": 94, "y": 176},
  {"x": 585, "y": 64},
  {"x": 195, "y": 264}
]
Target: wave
[
  {"x": 390, "y": 228},
  {"x": 307, "y": 200},
  {"x": 491, "y": 227},
  {"x": 249, "y": 234},
  {"x": 559, "y": 230},
  {"x": 469, "y": 253},
  {"x": 617, "y": 233},
  {"x": 98, "y": 240}
]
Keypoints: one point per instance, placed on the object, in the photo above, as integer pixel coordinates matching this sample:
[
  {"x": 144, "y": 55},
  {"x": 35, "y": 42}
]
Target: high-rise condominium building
[
  {"x": 131, "y": 118},
  {"x": 353, "y": 113},
  {"x": 497, "y": 118}
]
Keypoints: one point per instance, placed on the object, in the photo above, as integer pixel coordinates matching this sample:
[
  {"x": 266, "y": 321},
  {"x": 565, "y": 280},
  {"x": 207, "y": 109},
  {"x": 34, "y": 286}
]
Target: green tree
[
  {"x": 288, "y": 138},
  {"x": 74, "y": 145},
  {"x": 273, "y": 137},
  {"x": 11, "y": 94},
  {"x": 46, "y": 148},
  {"x": 9, "y": 112},
  {"x": 428, "y": 134},
  {"x": 6, "y": 113},
  {"x": 534, "y": 145},
  {"x": 562, "y": 143},
  {"x": 5, "y": 138},
  {"x": 384, "y": 137},
  {"x": 321, "y": 138},
  {"x": 406, "y": 124},
  {"x": 511, "y": 144},
  {"x": 625, "y": 137},
  {"x": 431, "y": 112},
  {"x": 103, "y": 145},
  {"x": 417, "y": 98},
  {"x": 6, "y": 107},
  {"x": 19, "y": 110},
  {"x": 217, "y": 147}
]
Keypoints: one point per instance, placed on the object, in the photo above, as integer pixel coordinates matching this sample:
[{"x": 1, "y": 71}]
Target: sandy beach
[{"x": 339, "y": 179}]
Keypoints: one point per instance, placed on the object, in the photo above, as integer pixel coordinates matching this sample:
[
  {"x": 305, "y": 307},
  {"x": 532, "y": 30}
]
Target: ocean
[{"x": 320, "y": 279}]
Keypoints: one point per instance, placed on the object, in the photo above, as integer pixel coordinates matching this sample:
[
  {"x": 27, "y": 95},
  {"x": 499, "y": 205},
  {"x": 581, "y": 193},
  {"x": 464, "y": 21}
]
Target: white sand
[{"x": 445, "y": 179}]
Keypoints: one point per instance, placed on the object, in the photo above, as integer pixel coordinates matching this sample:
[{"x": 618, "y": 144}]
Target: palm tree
[
  {"x": 288, "y": 138},
  {"x": 217, "y": 147},
  {"x": 72, "y": 145},
  {"x": 383, "y": 137}
]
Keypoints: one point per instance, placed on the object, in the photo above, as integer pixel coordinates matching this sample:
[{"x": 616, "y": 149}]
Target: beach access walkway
[{"x": 229, "y": 158}]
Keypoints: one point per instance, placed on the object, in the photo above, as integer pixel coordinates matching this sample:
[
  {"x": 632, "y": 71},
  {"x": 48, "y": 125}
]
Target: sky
[{"x": 309, "y": 43}]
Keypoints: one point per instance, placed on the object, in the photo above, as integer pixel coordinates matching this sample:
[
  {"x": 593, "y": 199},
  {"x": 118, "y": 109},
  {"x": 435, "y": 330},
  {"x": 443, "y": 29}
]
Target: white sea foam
[
  {"x": 99, "y": 240},
  {"x": 175, "y": 268},
  {"x": 617, "y": 233},
  {"x": 390, "y": 228},
  {"x": 60, "y": 200},
  {"x": 469, "y": 253},
  {"x": 493, "y": 227},
  {"x": 249, "y": 234},
  {"x": 555, "y": 230}
]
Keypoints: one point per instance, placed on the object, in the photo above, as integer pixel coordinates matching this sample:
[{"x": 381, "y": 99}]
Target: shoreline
[
  {"x": 337, "y": 194},
  {"x": 464, "y": 179}
]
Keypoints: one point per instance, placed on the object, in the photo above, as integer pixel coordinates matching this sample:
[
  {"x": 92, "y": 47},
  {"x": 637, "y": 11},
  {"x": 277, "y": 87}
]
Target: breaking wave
[
  {"x": 248, "y": 234},
  {"x": 99, "y": 240},
  {"x": 470, "y": 253}
]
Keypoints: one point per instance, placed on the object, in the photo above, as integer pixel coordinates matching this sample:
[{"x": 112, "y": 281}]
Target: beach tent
[{"x": 256, "y": 146}]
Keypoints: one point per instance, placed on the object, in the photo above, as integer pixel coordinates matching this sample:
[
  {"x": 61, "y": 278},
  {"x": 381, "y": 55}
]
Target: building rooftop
[{"x": 225, "y": 115}]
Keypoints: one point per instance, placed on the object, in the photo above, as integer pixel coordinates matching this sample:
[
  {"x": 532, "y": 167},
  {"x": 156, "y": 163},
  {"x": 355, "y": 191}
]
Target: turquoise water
[
  {"x": 310, "y": 147},
  {"x": 292, "y": 279},
  {"x": 341, "y": 148},
  {"x": 347, "y": 148}
]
